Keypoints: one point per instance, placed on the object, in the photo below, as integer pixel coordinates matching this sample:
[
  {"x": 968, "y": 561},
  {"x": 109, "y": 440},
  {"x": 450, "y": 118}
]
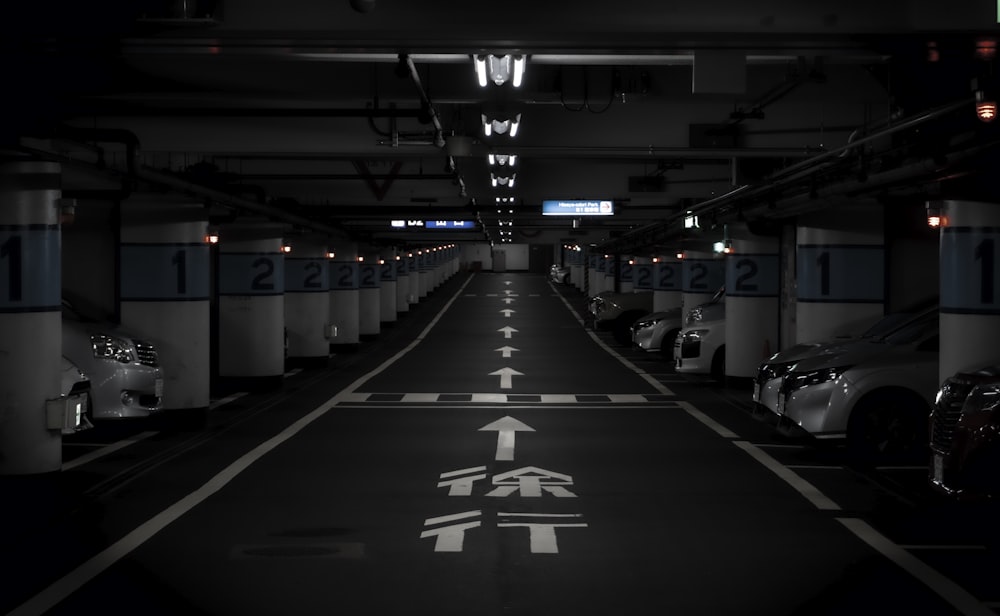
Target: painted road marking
[
  {"x": 226, "y": 400},
  {"x": 450, "y": 538},
  {"x": 945, "y": 588},
  {"x": 507, "y": 312},
  {"x": 508, "y": 300},
  {"x": 506, "y": 376},
  {"x": 530, "y": 481},
  {"x": 506, "y": 429},
  {"x": 803, "y": 487},
  {"x": 368, "y": 398},
  {"x": 459, "y": 483},
  {"x": 506, "y": 351},
  {"x": 103, "y": 451},
  {"x": 542, "y": 536},
  {"x": 508, "y": 331},
  {"x": 719, "y": 429}
]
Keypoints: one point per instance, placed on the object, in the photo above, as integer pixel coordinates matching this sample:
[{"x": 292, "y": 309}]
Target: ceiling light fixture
[
  {"x": 499, "y": 69},
  {"x": 501, "y": 126},
  {"x": 501, "y": 159},
  {"x": 503, "y": 180}
]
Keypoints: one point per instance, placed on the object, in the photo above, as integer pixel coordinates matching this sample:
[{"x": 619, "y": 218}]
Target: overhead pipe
[{"x": 425, "y": 100}]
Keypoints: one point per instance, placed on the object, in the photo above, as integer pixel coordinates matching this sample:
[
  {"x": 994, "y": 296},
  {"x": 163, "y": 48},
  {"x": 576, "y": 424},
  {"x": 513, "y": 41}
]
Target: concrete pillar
[
  {"x": 401, "y": 262},
  {"x": 164, "y": 291},
  {"x": 752, "y": 274},
  {"x": 970, "y": 286},
  {"x": 595, "y": 273},
  {"x": 626, "y": 269},
  {"x": 30, "y": 321},
  {"x": 642, "y": 275},
  {"x": 345, "y": 297},
  {"x": 840, "y": 272},
  {"x": 413, "y": 266},
  {"x": 610, "y": 269},
  {"x": 666, "y": 284},
  {"x": 576, "y": 268},
  {"x": 387, "y": 290},
  {"x": 251, "y": 284},
  {"x": 701, "y": 277},
  {"x": 369, "y": 296},
  {"x": 424, "y": 271},
  {"x": 307, "y": 302}
]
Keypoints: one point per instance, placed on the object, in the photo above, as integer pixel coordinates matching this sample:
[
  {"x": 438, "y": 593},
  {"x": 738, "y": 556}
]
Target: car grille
[
  {"x": 948, "y": 411},
  {"x": 146, "y": 353},
  {"x": 768, "y": 372}
]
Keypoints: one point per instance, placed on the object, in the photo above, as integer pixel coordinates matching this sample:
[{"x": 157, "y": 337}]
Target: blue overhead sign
[
  {"x": 577, "y": 207},
  {"x": 433, "y": 224}
]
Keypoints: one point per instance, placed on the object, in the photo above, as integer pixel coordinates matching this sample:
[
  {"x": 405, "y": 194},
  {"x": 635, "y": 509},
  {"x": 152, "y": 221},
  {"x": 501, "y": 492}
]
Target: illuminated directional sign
[
  {"x": 577, "y": 207},
  {"x": 433, "y": 224}
]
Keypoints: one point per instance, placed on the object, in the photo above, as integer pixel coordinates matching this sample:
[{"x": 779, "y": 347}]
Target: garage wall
[
  {"x": 516, "y": 255},
  {"x": 476, "y": 253}
]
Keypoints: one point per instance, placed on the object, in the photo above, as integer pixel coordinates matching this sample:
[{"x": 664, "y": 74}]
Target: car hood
[
  {"x": 850, "y": 354},
  {"x": 672, "y": 313},
  {"x": 818, "y": 348}
]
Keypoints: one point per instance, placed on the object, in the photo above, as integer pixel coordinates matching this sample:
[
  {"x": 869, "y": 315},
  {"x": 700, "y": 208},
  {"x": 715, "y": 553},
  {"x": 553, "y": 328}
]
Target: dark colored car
[{"x": 965, "y": 435}]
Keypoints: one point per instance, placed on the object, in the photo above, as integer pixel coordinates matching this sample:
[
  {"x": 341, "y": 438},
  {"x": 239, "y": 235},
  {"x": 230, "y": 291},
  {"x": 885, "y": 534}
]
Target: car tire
[
  {"x": 888, "y": 426},
  {"x": 667, "y": 344}
]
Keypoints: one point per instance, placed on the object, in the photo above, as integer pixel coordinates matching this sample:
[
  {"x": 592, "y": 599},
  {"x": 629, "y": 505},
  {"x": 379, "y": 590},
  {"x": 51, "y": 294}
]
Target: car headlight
[
  {"x": 111, "y": 347},
  {"x": 814, "y": 377},
  {"x": 646, "y": 323},
  {"x": 982, "y": 399},
  {"x": 767, "y": 372},
  {"x": 693, "y": 335}
]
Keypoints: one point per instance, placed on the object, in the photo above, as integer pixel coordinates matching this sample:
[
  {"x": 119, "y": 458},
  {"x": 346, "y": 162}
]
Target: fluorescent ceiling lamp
[
  {"x": 499, "y": 69},
  {"x": 499, "y": 126},
  {"x": 502, "y": 159}
]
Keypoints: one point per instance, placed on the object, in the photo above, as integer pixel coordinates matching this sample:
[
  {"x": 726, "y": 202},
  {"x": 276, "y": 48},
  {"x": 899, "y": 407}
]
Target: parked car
[
  {"x": 876, "y": 394},
  {"x": 559, "y": 274},
  {"x": 656, "y": 331},
  {"x": 617, "y": 312},
  {"x": 75, "y": 389},
  {"x": 965, "y": 435},
  {"x": 700, "y": 348},
  {"x": 767, "y": 381},
  {"x": 125, "y": 375}
]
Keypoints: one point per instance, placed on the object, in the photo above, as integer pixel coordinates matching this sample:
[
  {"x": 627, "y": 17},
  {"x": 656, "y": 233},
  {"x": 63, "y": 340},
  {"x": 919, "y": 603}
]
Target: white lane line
[
  {"x": 100, "y": 453},
  {"x": 464, "y": 471},
  {"x": 226, "y": 400},
  {"x": 658, "y": 386},
  {"x": 293, "y": 372},
  {"x": 719, "y": 429},
  {"x": 452, "y": 518},
  {"x": 814, "y": 467},
  {"x": 90, "y": 569},
  {"x": 806, "y": 489},
  {"x": 778, "y": 446},
  {"x": 945, "y": 588},
  {"x": 420, "y": 398},
  {"x": 902, "y": 468}
]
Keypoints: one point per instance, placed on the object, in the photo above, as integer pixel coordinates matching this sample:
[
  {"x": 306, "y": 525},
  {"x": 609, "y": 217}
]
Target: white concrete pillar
[
  {"x": 610, "y": 266},
  {"x": 307, "y": 301},
  {"x": 595, "y": 274},
  {"x": 970, "y": 286},
  {"x": 387, "y": 290},
  {"x": 413, "y": 266},
  {"x": 345, "y": 296},
  {"x": 752, "y": 274},
  {"x": 164, "y": 288},
  {"x": 626, "y": 274},
  {"x": 701, "y": 277},
  {"x": 400, "y": 263},
  {"x": 369, "y": 296},
  {"x": 840, "y": 272},
  {"x": 576, "y": 268},
  {"x": 251, "y": 286},
  {"x": 30, "y": 321},
  {"x": 424, "y": 271},
  {"x": 666, "y": 284}
]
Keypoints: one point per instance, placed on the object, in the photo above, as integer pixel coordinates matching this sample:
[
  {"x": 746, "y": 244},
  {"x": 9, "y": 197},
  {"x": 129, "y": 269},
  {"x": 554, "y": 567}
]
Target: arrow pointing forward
[
  {"x": 507, "y": 331},
  {"x": 507, "y": 312},
  {"x": 507, "y": 300},
  {"x": 506, "y": 282},
  {"x": 506, "y": 377},
  {"x": 506, "y": 427},
  {"x": 506, "y": 350}
]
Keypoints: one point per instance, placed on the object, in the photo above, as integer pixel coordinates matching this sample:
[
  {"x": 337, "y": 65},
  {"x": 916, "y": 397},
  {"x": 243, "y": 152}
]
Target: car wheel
[
  {"x": 667, "y": 344},
  {"x": 888, "y": 426}
]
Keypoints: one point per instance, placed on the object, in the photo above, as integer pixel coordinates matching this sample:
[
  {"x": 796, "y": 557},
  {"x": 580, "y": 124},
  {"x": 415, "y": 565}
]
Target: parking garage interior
[{"x": 425, "y": 308}]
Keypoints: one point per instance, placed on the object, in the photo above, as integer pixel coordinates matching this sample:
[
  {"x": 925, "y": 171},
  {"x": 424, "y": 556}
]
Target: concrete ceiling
[{"x": 344, "y": 117}]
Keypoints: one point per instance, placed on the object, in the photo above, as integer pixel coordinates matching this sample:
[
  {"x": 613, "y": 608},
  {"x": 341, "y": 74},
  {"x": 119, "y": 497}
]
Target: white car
[
  {"x": 767, "y": 381},
  {"x": 876, "y": 393},
  {"x": 700, "y": 348},
  {"x": 125, "y": 375},
  {"x": 657, "y": 331}
]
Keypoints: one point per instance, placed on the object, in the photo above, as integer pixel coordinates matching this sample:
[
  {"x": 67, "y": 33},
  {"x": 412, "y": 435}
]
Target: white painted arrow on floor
[
  {"x": 507, "y": 300},
  {"x": 507, "y": 312},
  {"x": 505, "y": 428},
  {"x": 506, "y": 282},
  {"x": 509, "y": 293},
  {"x": 506, "y": 377},
  {"x": 507, "y": 331},
  {"x": 506, "y": 350}
]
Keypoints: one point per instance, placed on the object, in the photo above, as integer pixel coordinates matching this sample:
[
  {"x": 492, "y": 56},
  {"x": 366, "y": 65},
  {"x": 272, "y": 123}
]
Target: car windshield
[
  {"x": 914, "y": 330},
  {"x": 79, "y": 310},
  {"x": 895, "y": 320}
]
